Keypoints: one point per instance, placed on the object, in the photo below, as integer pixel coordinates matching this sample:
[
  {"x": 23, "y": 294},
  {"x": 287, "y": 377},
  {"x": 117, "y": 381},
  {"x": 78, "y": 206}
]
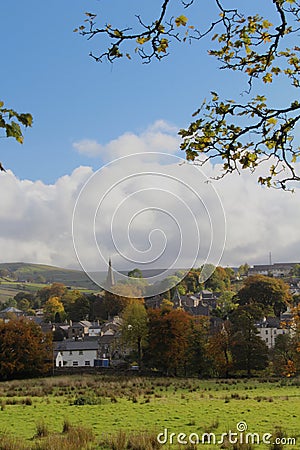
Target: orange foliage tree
[
  {"x": 168, "y": 339},
  {"x": 25, "y": 351}
]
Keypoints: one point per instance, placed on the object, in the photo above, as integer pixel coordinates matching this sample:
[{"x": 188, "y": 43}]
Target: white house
[
  {"x": 70, "y": 353},
  {"x": 269, "y": 328}
]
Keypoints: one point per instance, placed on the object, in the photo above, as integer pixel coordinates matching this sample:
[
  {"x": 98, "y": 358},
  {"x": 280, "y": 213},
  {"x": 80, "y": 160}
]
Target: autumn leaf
[{"x": 181, "y": 20}]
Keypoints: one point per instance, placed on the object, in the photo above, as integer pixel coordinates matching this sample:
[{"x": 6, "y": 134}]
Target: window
[
  {"x": 87, "y": 363},
  {"x": 267, "y": 331},
  {"x": 70, "y": 352},
  {"x": 62, "y": 353},
  {"x": 80, "y": 352},
  {"x": 267, "y": 340},
  {"x": 75, "y": 363}
]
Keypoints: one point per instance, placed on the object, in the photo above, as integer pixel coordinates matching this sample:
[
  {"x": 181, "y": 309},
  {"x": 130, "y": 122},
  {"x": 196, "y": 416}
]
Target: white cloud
[
  {"x": 36, "y": 218},
  {"x": 159, "y": 137}
]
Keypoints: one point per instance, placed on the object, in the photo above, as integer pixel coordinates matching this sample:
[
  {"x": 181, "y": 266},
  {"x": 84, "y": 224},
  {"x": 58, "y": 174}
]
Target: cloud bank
[{"x": 36, "y": 218}]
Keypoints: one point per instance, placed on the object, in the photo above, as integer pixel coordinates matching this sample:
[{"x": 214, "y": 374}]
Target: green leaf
[{"x": 14, "y": 130}]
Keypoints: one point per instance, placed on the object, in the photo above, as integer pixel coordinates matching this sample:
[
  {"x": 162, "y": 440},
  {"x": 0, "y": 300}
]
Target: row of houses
[{"x": 276, "y": 269}]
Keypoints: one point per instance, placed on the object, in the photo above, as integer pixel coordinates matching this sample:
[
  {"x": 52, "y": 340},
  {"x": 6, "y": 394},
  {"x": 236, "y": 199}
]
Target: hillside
[{"x": 20, "y": 272}]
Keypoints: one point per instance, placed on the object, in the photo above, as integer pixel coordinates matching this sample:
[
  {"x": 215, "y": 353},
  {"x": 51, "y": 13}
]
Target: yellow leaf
[
  {"x": 181, "y": 20},
  {"x": 268, "y": 78},
  {"x": 117, "y": 33},
  {"x": 267, "y": 24},
  {"x": 142, "y": 40},
  {"x": 272, "y": 121}
]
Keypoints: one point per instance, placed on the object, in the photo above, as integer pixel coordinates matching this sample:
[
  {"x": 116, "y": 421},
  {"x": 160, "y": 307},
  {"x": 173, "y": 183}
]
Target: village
[{"x": 104, "y": 331}]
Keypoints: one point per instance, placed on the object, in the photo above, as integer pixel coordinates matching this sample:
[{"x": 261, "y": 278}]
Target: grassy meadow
[{"x": 119, "y": 413}]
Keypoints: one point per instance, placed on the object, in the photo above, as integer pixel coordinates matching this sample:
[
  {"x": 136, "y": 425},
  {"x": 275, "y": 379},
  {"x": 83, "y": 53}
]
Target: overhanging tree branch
[{"x": 240, "y": 135}]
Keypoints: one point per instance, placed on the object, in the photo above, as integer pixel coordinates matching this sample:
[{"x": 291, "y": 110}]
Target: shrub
[{"x": 42, "y": 429}]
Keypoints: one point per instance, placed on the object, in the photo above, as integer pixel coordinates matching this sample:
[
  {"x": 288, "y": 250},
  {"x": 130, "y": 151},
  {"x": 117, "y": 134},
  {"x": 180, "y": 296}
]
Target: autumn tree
[
  {"x": 54, "y": 310},
  {"x": 219, "y": 349},
  {"x": 243, "y": 132},
  {"x": 270, "y": 293},
  {"x": 284, "y": 355},
  {"x": 25, "y": 351},
  {"x": 54, "y": 290},
  {"x": 168, "y": 340},
  {"x": 135, "y": 328}
]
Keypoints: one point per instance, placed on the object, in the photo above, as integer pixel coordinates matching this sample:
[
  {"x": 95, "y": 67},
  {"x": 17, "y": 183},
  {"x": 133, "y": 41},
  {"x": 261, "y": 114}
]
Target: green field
[{"x": 109, "y": 406}]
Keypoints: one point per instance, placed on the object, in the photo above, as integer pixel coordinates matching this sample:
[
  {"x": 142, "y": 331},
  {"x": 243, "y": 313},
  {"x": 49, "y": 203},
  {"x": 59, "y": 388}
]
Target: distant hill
[
  {"x": 20, "y": 276},
  {"x": 40, "y": 273}
]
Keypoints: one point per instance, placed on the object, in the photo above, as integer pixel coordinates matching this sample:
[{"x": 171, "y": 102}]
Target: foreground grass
[{"x": 119, "y": 413}]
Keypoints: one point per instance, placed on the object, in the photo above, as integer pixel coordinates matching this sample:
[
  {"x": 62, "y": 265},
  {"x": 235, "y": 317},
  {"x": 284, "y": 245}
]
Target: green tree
[
  {"x": 268, "y": 292},
  {"x": 25, "y": 351},
  {"x": 244, "y": 131},
  {"x": 190, "y": 282},
  {"x": 243, "y": 270},
  {"x": 225, "y": 304},
  {"x": 135, "y": 328},
  {"x": 79, "y": 309},
  {"x": 248, "y": 350},
  {"x": 124, "y": 295},
  {"x": 28, "y": 296},
  {"x": 219, "y": 280},
  {"x": 197, "y": 359},
  {"x": 296, "y": 270},
  {"x": 135, "y": 273}
]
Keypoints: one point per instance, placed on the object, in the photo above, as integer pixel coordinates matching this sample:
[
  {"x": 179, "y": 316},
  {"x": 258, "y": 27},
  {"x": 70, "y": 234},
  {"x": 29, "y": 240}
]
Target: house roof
[
  {"x": 85, "y": 323},
  {"x": 106, "y": 339},
  {"x": 269, "y": 322},
  {"x": 11, "y": 309},
  {"x": 76, "y": 345},
  {"x": 77, "y": 325}
]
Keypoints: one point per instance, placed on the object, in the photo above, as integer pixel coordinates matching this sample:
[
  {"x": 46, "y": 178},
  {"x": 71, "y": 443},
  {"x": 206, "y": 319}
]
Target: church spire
[
  {"x": 177, "y": 299},
  {"x": 110, "y": 281}
]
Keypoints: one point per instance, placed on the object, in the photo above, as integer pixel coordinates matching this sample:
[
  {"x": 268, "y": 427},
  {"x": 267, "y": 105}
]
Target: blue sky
[
  {"x": 47, "y": 71},
  {"x": 81, "y": 108}
]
